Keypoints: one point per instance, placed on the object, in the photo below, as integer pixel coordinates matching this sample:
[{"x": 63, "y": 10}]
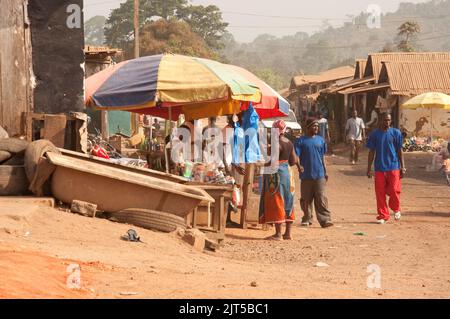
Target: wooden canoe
[
  {"x": 144, "y": 171},
  {"x": 113, "y": 188}
]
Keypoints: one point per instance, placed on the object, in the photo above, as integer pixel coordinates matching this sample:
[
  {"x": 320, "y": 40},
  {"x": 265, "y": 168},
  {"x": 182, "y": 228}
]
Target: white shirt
[
  {"x": 373, "y": 118},
  {"x": 354, "y": 128}
]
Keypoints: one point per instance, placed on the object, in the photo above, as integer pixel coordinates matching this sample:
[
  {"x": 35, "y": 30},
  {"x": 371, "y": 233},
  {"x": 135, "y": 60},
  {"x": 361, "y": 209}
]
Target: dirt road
[{"x": 37, "y": 245}]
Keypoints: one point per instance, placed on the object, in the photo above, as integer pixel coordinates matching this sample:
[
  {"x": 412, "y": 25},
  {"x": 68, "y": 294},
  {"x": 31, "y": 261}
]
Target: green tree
[
  {"x": 206, "y": 22},
  {"x": 170, "y": 36},
  {"x": 119, "y": 29},
  {"x": 408, "y": 31},
  {"x": 93, "y": 31},
  {"x": 318, "y": 56},
  {"x": 271, "y": 78}
]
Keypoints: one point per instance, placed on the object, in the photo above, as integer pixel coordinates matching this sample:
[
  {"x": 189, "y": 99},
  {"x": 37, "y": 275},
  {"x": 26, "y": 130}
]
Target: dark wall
[{"x": 57, "y": 56}]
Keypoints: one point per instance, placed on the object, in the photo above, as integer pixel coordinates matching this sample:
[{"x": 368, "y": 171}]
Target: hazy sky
[{"x": 249, "y": 18}]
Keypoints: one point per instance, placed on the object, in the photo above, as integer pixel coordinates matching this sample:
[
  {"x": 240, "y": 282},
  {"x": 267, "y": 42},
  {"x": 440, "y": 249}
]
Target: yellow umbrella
[{"x": 431, "y": 100}]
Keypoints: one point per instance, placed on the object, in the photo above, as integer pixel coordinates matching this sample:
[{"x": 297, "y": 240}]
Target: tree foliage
[
  {"x": 301, "y": 53},
  {"x": 206, "y": 22},
  {"x": 93, "y": 31},
  {"x": 271, "y": 78},
  {"x": 408, "y": 31},
  {"x": 119, "y": 27},
  {"x": 170, "y": 36}
]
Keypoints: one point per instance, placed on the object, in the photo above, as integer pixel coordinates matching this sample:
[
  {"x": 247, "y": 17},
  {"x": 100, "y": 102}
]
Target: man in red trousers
[{"x": 385, "y": 145}]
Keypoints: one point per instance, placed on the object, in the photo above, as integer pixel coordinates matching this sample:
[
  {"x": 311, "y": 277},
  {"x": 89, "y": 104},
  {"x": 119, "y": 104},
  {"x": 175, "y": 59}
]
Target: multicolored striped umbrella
[{"x": 196, "y": 87}]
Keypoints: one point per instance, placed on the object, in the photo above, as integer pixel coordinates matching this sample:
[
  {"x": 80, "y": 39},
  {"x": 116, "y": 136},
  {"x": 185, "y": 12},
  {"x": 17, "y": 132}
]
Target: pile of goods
[{"x": 423, "y": 144}]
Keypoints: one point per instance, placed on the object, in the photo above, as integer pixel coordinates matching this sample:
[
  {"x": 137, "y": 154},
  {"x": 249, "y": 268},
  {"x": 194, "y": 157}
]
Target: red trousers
[{"x": 387, "y": 183}]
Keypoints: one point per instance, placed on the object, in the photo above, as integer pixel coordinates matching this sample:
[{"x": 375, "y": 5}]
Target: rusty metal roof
[
  {"x": 413, "y": 78},
  {"x": 355, "y": 82},
  {"x": 325, "y": 76},
  {"x": 374, "y": 61},
  {"x": 88, "y": 50},
  {"x": 365, "y": 88},
  {"x": 360, "y": 68}
]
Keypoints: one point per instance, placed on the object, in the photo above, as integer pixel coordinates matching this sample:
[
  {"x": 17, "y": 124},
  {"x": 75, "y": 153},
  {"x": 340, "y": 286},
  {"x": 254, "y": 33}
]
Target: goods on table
[{"x": 424, "y": 144}]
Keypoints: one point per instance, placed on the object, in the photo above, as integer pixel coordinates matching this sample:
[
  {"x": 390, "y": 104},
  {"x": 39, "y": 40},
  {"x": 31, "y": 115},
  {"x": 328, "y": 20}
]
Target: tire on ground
[
  {"x": 33, "y": 153},
  {"x": 149, "y": 219},
  {"x": 13, "y": 145}
]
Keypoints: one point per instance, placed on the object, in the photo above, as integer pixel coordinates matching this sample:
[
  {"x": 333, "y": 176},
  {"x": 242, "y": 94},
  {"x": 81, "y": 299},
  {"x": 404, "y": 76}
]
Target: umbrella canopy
[
  {"x": 431, "y": 100},
  {"x": 195, "y": 87}
]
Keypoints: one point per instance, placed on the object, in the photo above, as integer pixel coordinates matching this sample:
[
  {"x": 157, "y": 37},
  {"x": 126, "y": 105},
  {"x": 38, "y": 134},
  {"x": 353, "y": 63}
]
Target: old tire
[
  {"x": 33, "y": 154},
  {"x": 4, "y": 156},
  {"x": 13, "y": 145},
  {"x": 149, "y": 219}
]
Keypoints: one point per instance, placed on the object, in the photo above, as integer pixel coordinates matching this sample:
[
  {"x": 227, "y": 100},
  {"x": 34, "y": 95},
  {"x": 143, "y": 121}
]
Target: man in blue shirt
[
  {"x": 385, "y": 145},
  {"x": 311, "y": 150}
]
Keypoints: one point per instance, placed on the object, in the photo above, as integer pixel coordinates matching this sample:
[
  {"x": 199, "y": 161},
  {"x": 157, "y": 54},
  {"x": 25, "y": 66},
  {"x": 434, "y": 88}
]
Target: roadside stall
[{"x": 156, "y": 86}]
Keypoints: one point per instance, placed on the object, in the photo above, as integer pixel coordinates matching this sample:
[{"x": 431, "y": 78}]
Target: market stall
[{"x": 168, "y": 85}]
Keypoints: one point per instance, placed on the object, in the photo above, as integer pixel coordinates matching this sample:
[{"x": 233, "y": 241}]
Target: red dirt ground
[{"x": 38, "y": 243}]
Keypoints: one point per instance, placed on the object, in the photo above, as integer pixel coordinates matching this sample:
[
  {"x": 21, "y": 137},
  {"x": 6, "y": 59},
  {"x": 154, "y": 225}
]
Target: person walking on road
[
  {"x": 385, "y": 145},
  {"x": 323, "y": 128},
  {"x": 355, "y": 134},
  {"x": 311, "y": 150}
]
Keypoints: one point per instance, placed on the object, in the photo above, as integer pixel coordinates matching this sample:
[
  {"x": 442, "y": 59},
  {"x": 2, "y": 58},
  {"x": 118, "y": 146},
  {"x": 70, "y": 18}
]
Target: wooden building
[
  {"x": 41, "y": 60},
  {"x": 16, "y": 74},
  {"x": 306, "y": 94},
  {"x": 305, "y": 89},
  {"x": 389, "y": 79}
]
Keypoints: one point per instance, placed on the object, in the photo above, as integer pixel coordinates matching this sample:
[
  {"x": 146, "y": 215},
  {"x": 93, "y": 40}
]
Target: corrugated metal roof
[
  {"x": 360, "y": 68},
  {"x": 352, "y": 83},
  {"x": 413, "y": 78},
  {"x": 366, "y": 88},
  {"x": 325, "y": 76},
  {"x": 374, "y": 61},
  {"x": 99, "y": 50}
]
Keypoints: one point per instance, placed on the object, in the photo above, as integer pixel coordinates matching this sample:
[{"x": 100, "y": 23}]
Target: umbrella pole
[
  {"x": 247, "y": 191},
  {"x": 151, "y": 129},
  {"x": 170, "y": 138},
  {"x": 431, "y": 125}
]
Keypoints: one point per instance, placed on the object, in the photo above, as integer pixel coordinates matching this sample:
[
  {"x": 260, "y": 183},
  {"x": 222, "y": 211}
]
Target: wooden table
[{"x": 222, "y": 194}]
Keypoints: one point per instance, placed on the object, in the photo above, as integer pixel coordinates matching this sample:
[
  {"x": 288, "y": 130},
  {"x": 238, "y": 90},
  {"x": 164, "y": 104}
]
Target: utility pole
[
  {"x": 135, "y": 117},
  {"x": 136, "y": 29}
]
